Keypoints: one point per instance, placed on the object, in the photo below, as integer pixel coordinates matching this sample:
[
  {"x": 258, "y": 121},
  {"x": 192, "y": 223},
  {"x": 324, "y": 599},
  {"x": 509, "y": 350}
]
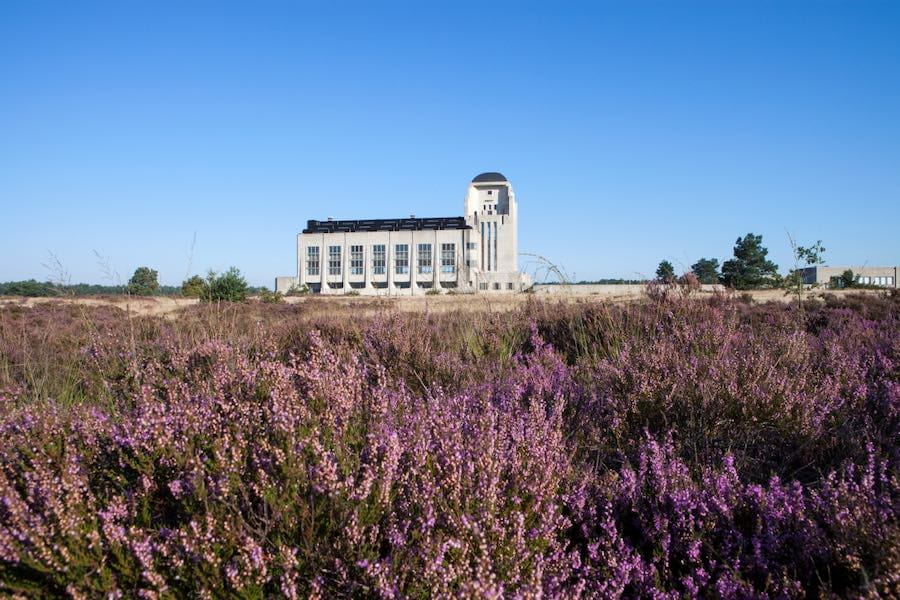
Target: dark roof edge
[{"x": 371, "y": 225}]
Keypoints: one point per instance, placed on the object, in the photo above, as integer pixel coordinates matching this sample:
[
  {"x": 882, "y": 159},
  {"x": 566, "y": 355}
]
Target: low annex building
[
  {"x": 477, "y": 252},
  {"x": 831, "y": 276}
]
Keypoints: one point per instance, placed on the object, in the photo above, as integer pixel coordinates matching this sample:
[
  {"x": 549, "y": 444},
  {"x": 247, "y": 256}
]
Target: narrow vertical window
[
  {"x": 424, "y": 258},
  {"x": 356, "y": 260},
  {"x": 379, "y": 261},
  {"x": 401, "y": 258},
  {"x": 312, "y": 260},
  {"x": 334, "y": 260},
  {"x": 448, "y": 258},
  {"x": 489, "y": 247},
  {"x": 483, "y": 245},
  {"x": 495, "y": 246}
]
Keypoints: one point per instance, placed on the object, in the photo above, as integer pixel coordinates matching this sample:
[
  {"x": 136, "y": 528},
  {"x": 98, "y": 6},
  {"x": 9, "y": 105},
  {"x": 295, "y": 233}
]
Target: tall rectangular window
[
  {"x": 356, "y": 260},
  {"x": 495, "y": 245},
  {"x": 379, "y": 260},
  {"x": 489, "y": 247},
  {"x": 401, "y": 258},
  {"x": 334, "y": 260},
  {"x": 448, "y": 258},
  {"x": 424, "y": 258},
  {"x": 312, "y": 260}
]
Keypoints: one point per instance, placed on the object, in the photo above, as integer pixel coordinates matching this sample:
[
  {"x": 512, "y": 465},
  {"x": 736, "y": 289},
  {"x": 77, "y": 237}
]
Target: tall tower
[{"x": 490, "y": 208}]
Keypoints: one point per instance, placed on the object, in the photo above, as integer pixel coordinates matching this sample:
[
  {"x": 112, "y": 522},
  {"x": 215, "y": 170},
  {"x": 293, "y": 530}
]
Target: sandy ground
[{"x": 169, "y": 307}]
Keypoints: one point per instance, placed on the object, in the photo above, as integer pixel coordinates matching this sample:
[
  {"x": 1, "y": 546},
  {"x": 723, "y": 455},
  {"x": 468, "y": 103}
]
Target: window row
[
  {"x": 875, "y": 280},
  {"x": 424, "y": 259}
]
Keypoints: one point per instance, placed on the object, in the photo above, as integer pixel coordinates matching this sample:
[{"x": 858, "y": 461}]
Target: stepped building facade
[{"x": 477, "y": 252}]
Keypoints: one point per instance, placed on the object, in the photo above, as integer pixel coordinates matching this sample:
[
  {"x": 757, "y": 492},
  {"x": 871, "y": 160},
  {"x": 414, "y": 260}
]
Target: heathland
[{"x": 676, "y": 445}]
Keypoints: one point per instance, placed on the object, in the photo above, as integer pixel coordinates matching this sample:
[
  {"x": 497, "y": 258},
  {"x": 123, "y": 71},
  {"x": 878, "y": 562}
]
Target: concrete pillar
[
  {"x": 435, "y": 262},
  {"x": 367, "y": 266},
  {"x": 413, "y": 264},
  {"x": 389, "y": 263},
  {"x": 344, "y": 263},
  {"x": 301, "y": 264}
]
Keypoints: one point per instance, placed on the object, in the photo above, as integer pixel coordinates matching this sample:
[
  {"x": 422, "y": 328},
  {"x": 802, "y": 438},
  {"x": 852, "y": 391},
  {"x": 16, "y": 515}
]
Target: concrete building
[
  {"x": 830, "y": 276},
  {"x": 477, "y": 252}
]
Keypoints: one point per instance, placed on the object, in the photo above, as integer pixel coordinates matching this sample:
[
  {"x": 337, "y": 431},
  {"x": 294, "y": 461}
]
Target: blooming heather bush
[{"x": 672, "y": 448}]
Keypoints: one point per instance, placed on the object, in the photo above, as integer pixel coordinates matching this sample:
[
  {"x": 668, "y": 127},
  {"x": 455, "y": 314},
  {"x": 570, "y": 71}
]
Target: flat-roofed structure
[
  {"x": 831, "y": 276},
  {"x": 477, "y": 252}
]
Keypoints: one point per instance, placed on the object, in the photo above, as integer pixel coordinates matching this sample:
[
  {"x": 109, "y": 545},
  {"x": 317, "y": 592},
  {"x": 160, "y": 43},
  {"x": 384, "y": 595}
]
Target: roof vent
[
  {"x": 330, "y": 219},
  {"x": 412, "y": 216}
]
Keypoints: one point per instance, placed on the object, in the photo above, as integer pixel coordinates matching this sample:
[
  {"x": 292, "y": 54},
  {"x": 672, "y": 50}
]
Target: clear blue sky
[{"x": 632, "y": 131}]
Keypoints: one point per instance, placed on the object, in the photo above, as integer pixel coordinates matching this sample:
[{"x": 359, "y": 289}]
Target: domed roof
[{"x": 488, "y": 177}]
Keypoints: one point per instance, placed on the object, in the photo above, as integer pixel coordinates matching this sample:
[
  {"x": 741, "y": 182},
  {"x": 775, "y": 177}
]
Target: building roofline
[{"x": 374, "y": 225}]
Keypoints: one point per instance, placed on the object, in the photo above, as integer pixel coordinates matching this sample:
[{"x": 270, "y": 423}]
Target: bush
[
  {"x": 433, "y": 292},
  {"x": 229, "y": 286}
]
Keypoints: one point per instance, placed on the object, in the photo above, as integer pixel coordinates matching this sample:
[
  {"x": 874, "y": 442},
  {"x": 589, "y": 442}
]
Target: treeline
[
  {"x": 32, "y": 288},
  {"x": 229, "y": 285}
]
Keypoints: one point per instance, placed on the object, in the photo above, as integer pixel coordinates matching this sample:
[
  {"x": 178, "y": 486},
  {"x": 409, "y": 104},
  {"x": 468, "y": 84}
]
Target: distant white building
[{"x": 477, "y": 252}]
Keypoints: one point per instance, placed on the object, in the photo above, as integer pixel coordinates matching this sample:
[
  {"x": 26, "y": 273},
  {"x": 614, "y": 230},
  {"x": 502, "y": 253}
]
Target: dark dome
[{"x": 485, "y": 177}]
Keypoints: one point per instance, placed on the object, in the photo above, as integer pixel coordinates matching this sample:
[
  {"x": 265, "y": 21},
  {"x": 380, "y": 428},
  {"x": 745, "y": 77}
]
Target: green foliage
[
  {"x": 194, "y": 287},
  {"x": 665, "y": 272},
  {"x": 706, "y": 270},
  {"x": 352, "y": 293},
  {"x": 36, "y": 289},
  {"x": 144, "y": 282},
  {"x": 749, "y": 268},
  {"x": 229, "y": 286},
  {"x": 271, "y": 297},
  {"x": 433, "y": 292}
]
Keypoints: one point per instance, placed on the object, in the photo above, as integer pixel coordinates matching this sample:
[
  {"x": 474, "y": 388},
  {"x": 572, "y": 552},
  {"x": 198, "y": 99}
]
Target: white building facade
[{"x": 477, "y": 252}]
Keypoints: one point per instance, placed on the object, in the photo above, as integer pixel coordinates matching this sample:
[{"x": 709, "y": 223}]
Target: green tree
[
  {"x": 144, "y": 282},
  {"x": 230, "y": 286},
  {"x": 194, "y": 287},
  {"x": 706, "y": 270},
  {"x": 665, "y": 272},
  {"x": 749, "y": 268}
]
